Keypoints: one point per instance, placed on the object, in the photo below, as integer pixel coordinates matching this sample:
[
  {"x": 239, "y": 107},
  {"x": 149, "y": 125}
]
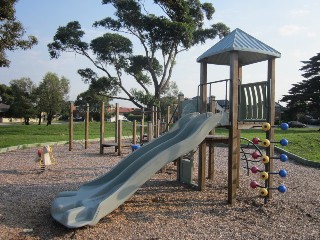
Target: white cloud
[
  {"x": 288, "y": 30},
  {"x": 299, "y": 13},
  {"x": 312, "y": 34}
]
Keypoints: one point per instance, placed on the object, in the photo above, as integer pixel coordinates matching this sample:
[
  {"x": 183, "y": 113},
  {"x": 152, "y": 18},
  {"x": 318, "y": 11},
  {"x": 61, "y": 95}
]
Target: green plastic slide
[{"x": 98, "y": 198}]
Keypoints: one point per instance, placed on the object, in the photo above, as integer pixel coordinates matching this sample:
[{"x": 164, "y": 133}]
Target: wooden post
[
  {"x": 178, "y": 161},
  {"x": 134, "y": 132},
  {"x": 142, "y": 127},
  {"x": 150, "y": 131},
  {"x": 271, "y": 118},
  {"x": 180, "y": 100},
  {"x": 71, "y": 126},
  {"x": 233, "y": 129},
  {"x": 203, "y": 145},
  {"x": 160, "y": 122},
  {"x": 158, "y": 128},
  {"x": 119, "y": 123},
  {"x": 163, "y": 126},
  {"x": 156, "y": 122},
  {"x": 239, "y": 131},
  {"x": 116, "y": 127},
  {"x": 86, "y": 128},
  {"x": 101, "y": 127},
  {"x": 153, "y": 120},
  {"x": 168, "y": 118},
  {"x": 211, "y": 144}
]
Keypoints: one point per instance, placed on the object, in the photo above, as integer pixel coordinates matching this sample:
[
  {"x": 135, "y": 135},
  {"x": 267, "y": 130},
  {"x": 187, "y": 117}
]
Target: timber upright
[{"x": 250, "y": 103}]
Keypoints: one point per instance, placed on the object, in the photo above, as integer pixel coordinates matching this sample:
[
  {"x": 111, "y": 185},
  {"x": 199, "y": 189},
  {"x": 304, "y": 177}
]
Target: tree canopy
[
  {"x": 163, "y": 29},
  {"x": 52, "y": 95},
  {"x": 27, "y": 101},
  {"x": 11, "y": 32},
  {"x": 304, "y": 97},
  {"x": 21, "y": 99},
  {"x": 94, "y": 100}
]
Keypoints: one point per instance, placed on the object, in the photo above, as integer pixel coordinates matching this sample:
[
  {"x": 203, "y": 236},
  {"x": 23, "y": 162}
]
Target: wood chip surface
[{"x": 162, "y": 208}]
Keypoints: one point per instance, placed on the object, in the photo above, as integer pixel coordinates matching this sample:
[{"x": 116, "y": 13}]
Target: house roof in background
[
  {"x": 125, "y": 110},
  {"x": 4, "y": 107}
]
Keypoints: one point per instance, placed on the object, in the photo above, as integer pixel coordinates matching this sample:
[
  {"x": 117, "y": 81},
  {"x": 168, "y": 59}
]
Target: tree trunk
[
  {"x": 26, "y": 121},
  {"x": 39, "y": 122},
  {"x": 49, "y": 119}
]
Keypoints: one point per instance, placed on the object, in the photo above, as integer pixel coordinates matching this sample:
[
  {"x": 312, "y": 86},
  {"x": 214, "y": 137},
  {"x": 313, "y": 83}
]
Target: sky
[{"x": 289, "y": 26}]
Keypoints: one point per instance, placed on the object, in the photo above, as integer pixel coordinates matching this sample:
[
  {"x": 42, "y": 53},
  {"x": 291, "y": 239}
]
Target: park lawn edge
[{"x": 291, "y": 156}]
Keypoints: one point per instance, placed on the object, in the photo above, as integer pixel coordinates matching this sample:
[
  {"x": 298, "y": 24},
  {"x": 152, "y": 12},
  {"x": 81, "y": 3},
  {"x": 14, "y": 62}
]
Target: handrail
[
  {"x": 175, "y": 110},
  {"x": 214, "y": 82}
]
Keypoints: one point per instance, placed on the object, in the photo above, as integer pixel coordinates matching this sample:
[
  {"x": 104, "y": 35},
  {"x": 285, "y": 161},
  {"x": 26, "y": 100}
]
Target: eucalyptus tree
[
  {"x": 162, "y": 28},
  {"x": 11, "y": 32}
]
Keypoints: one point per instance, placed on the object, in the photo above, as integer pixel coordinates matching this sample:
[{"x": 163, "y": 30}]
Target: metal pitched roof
[{"x": 250, "y": 49}]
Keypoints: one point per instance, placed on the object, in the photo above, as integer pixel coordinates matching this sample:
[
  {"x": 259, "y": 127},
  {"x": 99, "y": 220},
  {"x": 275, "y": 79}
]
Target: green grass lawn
[
  {"x": 18, "y": 134},
  {"x": 302, "y": 142}
]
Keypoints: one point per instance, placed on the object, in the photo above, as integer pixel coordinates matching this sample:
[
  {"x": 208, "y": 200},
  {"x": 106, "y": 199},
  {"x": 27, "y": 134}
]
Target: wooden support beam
[
  {"x": 134, "y": 132},
  {"x": 239, "y": 131},
  {"x": 156, "y": 126},
  {"x": 202, "y": 166},
  {"x": 150, "y": 131},
  {"x": 116, "y": 136},
  {"x": 119, "y": 123},
  {"x": 180, "y": 100},
  {"x": 271, "y": 118},
  {"x": 168, "y": 119},
  {"x": 71, "y": 126},
  {"x": 211, "y": 161},
  {"x": 101, "y": 127},
  {"x": 203, "y": 145},
  {"x": 233, "y": 130},
  {"x": 142, "y": 127},
  {"x": 211, "y": 144},
  {"x": 203, "y": 88},
  {"x": 86, "y": 127},
  {"x": 153, "y": 121}
]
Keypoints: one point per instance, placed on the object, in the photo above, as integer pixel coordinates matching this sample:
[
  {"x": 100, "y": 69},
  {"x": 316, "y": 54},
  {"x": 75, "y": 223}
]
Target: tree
[
  {"x": 176, "y": 27},
  {"x": 304, "y": 97},
  {"x": 94, "y": 100},
  {"x": 22, "y": 99},
  {"x": 170, "y": 98},
  {"x": 52, "y": 94},
  {"x": 11, "y": 32},
  {"x": 5, "y": 98},
  {"x": 5, "y": 94}
]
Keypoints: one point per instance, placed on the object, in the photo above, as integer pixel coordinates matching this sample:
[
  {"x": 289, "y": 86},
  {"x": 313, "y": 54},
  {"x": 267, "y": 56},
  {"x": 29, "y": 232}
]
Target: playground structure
[
  {"x": 146, "y": 133},
  {"x": 249, "y": 106},
  {"x": 72, "y": 108}
]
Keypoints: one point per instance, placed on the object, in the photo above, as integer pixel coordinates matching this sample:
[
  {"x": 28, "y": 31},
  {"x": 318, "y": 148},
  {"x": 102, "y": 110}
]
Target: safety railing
[{"x": 253, "y": 102}]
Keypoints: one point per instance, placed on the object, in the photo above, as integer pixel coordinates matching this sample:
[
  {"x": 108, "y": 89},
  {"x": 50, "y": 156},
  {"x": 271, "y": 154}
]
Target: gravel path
[{"x": 162, "y": 208}]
